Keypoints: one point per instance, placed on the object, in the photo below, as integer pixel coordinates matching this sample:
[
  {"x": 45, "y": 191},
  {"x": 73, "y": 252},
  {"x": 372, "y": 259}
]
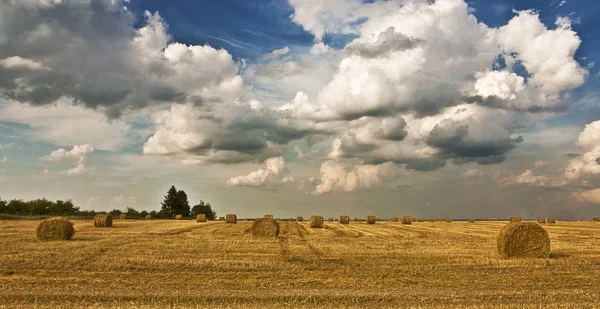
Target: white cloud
[
  {"x": 471, "y": 173},
  {"x": 120, "y": 200},
  {"x": 335, "y": 178},
  {"x": 78, "y": 153},
  {"x": 5, "y": 146},
  {"x": 17, "y": 62},
  {"x": 277, "y": 53},
  {"x": 589, "y": 196},
  {"x": 93, "y": 200},
  {"x": 587, "y": 165},
  {"x": 77, "y": 170},
  {"x": 275, "y": 173}
]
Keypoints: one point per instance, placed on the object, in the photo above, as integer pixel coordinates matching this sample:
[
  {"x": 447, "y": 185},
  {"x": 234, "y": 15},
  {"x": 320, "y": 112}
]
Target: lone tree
[
  {"x": 175, "y": 203},
  {"x": 204, "y": 208}
]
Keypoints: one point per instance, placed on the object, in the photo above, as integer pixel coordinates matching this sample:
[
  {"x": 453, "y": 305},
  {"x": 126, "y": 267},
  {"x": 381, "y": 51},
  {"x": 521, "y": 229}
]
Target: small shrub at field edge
[
  {"x": 316, "y": 222},
  {"x": 596, "y": 219},
  {"x": 221, "y": 218},
  {"x": 201, "y": 218},
  {"x": 523, "y": 240},
  {"x": 406, "y": 220},
  {"x": 299, "y": 219},
  {"x": 103, "y": 220},
  {"x": 231, "y": 218},
  {"x": 515, "y": 219},
  {"x": 371, "y": 219},
  {"x": 265, "y": 227},
  {"x": 394, "y": 219},
  {"x": 344, "y": 220},
  {"x": 122, "y": 217},
  {"x": 55, "y": 229}
]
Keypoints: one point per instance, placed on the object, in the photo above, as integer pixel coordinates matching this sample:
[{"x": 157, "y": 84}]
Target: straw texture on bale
[
  {"x": 406, "y": 220},
  {"x": 595, "y": 219},
  {"x": 542, "y": 220},
  {"x": 122, "y": 217},
  {"x": 330, "y": 219},
  {"x": 394, "y": 219},
  {"x": 471, "y": 220},
  {"x": 55, "y": 229},
  {"x": 421, "y": 220},
  {"x": 344, "y": 220},
  {"x": 178, "y": 217},
  {"x": 103, "y": 220},
  {"x": 523, "y": 240},
  {"x": 316, "y": 222},
  {"x": 201, "y": 218},
  {"x": 221, "y": 218},
  {"x": 515, "y": 219},
  {"x": 551, "y": 220},
  {"x": 231, "y": 218},
  {"x": 265, "y": 227},
  {"x": 371, "y": 219},
  {"x": 268, "y": 216},
  {"x": 299, "y": 219},
  {"x": 148, "y": 217}
]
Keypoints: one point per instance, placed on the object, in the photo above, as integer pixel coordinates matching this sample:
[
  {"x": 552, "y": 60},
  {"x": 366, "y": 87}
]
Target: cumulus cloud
[
  {"x": 334, "y": 177},
  {"x": 5, "y": 146},
  {"x": 78, "y": 153},
  {"x": 587, "y": 164},
  {"x": 528, "y": 178},
  {"x": 277, "y": 53},
  {"x": 275, "y": 173},
  {"x": 120, "y": 200},
  {"x": 589, "y": 196},
  {"x": 77, "y": 170}
]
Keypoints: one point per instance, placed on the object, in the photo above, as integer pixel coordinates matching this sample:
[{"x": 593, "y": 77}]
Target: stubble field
[{"x": 184, "y": 264}]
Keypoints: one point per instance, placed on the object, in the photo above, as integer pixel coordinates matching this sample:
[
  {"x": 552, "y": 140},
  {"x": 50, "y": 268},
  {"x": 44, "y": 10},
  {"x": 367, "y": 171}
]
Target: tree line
[{"x": 174, "y": 203}]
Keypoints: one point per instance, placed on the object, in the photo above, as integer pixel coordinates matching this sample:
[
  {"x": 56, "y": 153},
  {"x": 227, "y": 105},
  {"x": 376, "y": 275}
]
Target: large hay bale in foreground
[
  {"x": 316, "y": 222},
  {"x": 551, "y": 220},
  {"x": 265, "y": 227},
  {"x": 523, "y": 240},
  {"x": 55, "y": 229},
  {"x": 201, "y": 218},
  {"x": 542, "y": 220},
  {"x": 178, "y": 217},
  {"x": 371, "y": 219},
  {"x": 394, "y": 219},
  {"x": 122, "y": 217},
  {"x": 148, "y": 217},
  {"x": 103, "y": 220},
  {"x": 268, "y": 216},
  {"x": 231, "y": 218},
  {"x": 406, "y": 220},
  {"x": 344, "y": 219},
  {"x": 299, "y": 219},
  {"x": 515, "y": 219}
]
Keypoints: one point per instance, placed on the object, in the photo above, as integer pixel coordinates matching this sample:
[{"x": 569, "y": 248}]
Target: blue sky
[{"x": 288, "y": 106}]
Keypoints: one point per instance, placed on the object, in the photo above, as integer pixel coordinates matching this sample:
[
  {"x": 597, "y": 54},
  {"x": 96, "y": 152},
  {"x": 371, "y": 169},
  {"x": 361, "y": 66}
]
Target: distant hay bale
[
  {"x": 355, "y": 219},
  {"x": 291, "y": 219},
  {"x": 265, "y": 227},
  {"x": 498, "y": 219},
  {"x": 278, "y": 219},
  {"x": 201, "y": 218},
  {"x": 596, "y": 219},
  {"x": 299, "y": 219},
  {"x": 231, "y": 218},
  {"x": 486, "y": 219},
  {"x": 102, "y": 220},
  {"x": 122, "y": 217},
  {"x": 371, "y": 219},
  {"x": 268, "y": 216},
  {"x": 551, "y": 220},
  {"x": 448, "y": 220},
  {"x": 582, "y": 220},
  {"x": 515, "y": 219},
  {"x": 55, "y": 229},
  {"x": 523, "y": 240},
  {"x": 413, "y": 219},
  {"x": 316, "y": 222},
  {"x": 406, "y": 220},
  {"x": 432, "y": 220},
  {"x": 221, "y": 218},
  {"x": 344, "y": 219},
  {"x": 394, "y": 219},
  {"x": 541, "y": 220},
  {"x": 148, "y": 217},
  {"x": 378, "y": 219},
  {"x": 178, "y": 217},
  {"x": 471, "y": 220},
  {"x": 420, "y": 219},
  {"x": 330, "y": 219}
]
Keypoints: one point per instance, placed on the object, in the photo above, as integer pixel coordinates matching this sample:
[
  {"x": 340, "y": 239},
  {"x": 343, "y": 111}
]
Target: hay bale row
[
  {"x": 394, "y": 219},
  {"x": 316, "y": 222},
  {"x": 498, "y": 219},
  {"x": 221, "y": 218},
  {"x": 344, "y": 220},
  {"x": 231, "y": 218},
  {"x": 265, "y": 227},
  {"x": 103, "y": 220},
  {"x": 201, "y": 218},
  {"x": 523, "y": 240},
  {"x": 355, "y": 219},
  {"x": 551, "y": 220},
  {"x": 299, "y": 219},
  {"x": 330, "y": 219},
  {"x": 448, "y": 220},
  {"x": 55, "y": 229},
  {"x": 371, "y": 219},
  {"x": 406, "y": 220}
]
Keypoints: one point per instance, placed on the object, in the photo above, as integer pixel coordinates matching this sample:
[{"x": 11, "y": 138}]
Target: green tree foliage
[
  {"x": 175, "y": 203},
  {"x": 204, "y": 208},
  {"x": 132, "y": 212},
  {"x": 38, "y": 207}
]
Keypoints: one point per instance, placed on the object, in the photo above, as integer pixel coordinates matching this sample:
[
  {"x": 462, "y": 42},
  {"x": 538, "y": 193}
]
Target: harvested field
[{"x": 139, "y": 264}]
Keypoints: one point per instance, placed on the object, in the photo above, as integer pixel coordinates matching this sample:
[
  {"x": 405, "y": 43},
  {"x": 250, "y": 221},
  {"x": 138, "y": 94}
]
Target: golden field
[{"x": 185, "y": 264}]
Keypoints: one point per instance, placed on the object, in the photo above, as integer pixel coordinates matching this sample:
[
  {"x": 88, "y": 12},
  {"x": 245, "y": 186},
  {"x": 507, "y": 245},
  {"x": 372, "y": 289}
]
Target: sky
[{"x": 447, "y": 108}]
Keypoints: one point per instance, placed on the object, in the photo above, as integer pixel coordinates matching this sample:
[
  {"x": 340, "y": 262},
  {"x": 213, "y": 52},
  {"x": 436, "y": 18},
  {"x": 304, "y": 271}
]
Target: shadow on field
[{"x": 558, "y": 255}]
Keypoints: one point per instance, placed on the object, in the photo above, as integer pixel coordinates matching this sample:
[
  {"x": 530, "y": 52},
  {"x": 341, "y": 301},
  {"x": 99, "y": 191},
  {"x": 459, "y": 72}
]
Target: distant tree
[
  {"x": 17, "y": 207},
  {"x": 204, "y": 208},
  {"x": 154, "y": 213},
  {"x": 3, "y": 208},
  {"x": 175, "y": 203},
  {"x": 61, "y": 207},
  {"x": 115, "y": 212},
  {"x": 143, "y": 213},
  {"x": 132, "y": 212}
]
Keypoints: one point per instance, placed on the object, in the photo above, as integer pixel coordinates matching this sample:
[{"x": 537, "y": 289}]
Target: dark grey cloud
[{"x": 387, "y": 42}]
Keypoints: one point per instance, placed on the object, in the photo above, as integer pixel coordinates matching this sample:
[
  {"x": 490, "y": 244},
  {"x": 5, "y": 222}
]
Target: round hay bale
[
  {"x": 231, "y": 218},
  {"x": 471, "y": 220},
  {"x": 421, "y": 220},
  {"x": 432, "y": 220},
  {"x": 299, "y": 219},
  {"x": 551, "y": 220},
  {"x": 344, "y": 219},
  {"x": 515, "y": 219},
  {"x": 268, "y": 216},
  {"x": 448, "y": 220},
  {"x": 102, "y": 220},
  {"x": 316, "y": 222},
  {"x": 265, "y": 227},
  {"x": 178, "y": 217},
  {"x": 596, "y": 219},
  {"x": 201, "y": 218},
  {"x": 406, "y": 220},
  {"x": 394, "y": 219},
  {"x": 413, "y": 219},
  {"x": 122, "y": 216},
  {"x": 486, "y": 219},
  {"x": 523, "y": 240},
  {"x": 148, "y": 217},
  {"x": 498, "y": 219},
  {"x": 221, "y": 218},
  {"x": 291, "y": 220},
  {"x": 330, "y": 219},
  {"x": 355, "y": 219},
  {"x": 542, "y": 220},
  {"x": 371, "y": 219},
  {"x": 55, "y": 229}
]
